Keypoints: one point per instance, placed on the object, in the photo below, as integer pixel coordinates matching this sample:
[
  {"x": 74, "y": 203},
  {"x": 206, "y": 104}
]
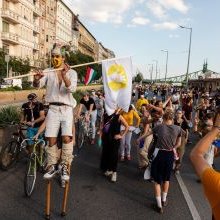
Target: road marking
[{"x": 189, "y": 201}]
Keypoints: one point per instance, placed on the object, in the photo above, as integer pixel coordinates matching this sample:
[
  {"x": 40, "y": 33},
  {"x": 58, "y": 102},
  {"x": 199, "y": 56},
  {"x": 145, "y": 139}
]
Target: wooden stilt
[
  {"x": 65, "y": 196},
  {"x": 48, "y": 198}
]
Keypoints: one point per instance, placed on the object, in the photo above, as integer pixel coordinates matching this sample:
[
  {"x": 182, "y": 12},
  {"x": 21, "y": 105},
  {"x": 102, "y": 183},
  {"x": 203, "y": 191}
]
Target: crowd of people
[{"x": 160, "y": 119}]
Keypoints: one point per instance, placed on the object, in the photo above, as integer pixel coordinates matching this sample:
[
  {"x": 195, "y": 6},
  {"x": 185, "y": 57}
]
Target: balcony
[
  {"x": 36, "y": 46},
  {"x": 37, "y": 11},
  {"x": 36, "y": 29},
  {"x": 10, "y": 16},
  {"x": 15, "y": 1},
  {"x": 37, "y": 64},
  {"x": 10, "y": 38}
]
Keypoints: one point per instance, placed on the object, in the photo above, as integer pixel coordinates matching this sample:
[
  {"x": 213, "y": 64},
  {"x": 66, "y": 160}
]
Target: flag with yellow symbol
[{"x": 117, "y": 80}]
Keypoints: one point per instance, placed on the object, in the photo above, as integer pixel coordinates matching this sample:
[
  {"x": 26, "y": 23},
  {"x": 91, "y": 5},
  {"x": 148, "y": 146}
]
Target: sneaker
[
  {"x": 158, "y": 209},
  {"x": 63, "y": 183},
  {"x": 64, "y": 172},
  {"x": 164, "y": 204},
  {"x": 114, "y": 177},
  {"x": 50, "y": 172},
  {"x": 122, "y": 158},
  {"x": 128, "y": 157},
  {"x": 108, "y": 173}
]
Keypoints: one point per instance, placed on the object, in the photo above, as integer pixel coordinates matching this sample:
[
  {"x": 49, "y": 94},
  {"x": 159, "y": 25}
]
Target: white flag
[{"x": 117, "y": 80}]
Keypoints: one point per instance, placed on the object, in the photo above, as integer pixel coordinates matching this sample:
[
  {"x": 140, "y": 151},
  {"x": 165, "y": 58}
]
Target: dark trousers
[{"x": 109, "y": 157}]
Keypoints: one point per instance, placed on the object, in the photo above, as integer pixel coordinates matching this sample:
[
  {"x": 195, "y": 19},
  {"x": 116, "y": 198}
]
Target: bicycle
[
  {"x": 83, "y": 132},
  {"x": 37, "y": 159},
  {"x": 10, "y": 152}
]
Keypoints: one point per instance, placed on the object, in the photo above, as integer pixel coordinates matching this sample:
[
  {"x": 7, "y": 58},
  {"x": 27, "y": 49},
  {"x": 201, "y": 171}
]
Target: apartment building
[
  {"x": 19, "y": 28},
  {"x": 87, "y": 42}
]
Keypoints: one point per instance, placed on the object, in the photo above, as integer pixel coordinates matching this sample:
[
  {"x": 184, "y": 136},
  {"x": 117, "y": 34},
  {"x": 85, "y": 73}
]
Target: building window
[
  {"x": 5, "y": 48},
  {"x": 5, "y": 26},
  {"x": 46, "y": 38}
]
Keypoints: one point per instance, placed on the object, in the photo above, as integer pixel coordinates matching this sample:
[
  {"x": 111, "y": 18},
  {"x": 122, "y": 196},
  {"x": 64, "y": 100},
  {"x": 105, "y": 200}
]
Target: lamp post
[
  {"x": 7, "y": 59},
  {"x": 156, "y": 61},
  {"x": 151, "y": 72},
  {"x": 166, "y": 51},
  {"x": 189, "y": 51}
]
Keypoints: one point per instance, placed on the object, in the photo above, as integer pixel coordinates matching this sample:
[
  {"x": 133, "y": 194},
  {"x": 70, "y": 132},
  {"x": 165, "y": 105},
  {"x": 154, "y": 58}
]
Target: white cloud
[
  {"x": 160, "y": 8},
  {"x": 178, "y": 5},
  {"x": 101, "y": 11},
  {"x": 165, "y": 26},
  {"x": 140, "y": 21}
]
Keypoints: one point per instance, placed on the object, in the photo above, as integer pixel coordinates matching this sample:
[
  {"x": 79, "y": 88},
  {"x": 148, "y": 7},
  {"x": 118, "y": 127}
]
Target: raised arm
[{"x": 197, "y": 154}]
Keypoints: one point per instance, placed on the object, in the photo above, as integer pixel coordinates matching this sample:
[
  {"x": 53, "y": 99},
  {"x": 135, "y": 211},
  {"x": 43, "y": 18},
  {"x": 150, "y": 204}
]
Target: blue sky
[{"x": 142, "y": 28}]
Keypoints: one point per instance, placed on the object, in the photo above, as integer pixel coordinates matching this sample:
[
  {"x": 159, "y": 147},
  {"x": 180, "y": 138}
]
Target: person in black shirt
[
  {"x": 91, "y": 112},
  {"x": 33, "y": 115}
]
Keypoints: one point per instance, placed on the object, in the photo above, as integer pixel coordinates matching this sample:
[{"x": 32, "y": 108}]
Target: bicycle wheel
[
  {"x": 80, "y": 135},
  {"x": 30, "y": 176},
  {"x": 9, "y": 154}
]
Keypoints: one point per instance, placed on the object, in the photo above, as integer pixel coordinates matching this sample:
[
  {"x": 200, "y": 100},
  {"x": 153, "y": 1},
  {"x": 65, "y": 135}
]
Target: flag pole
[{"x": 52, "y": 70}]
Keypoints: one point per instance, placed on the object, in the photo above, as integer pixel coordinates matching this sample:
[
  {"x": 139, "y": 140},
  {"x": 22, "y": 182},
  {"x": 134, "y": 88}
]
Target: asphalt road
[{"x": 93, "y": 196}]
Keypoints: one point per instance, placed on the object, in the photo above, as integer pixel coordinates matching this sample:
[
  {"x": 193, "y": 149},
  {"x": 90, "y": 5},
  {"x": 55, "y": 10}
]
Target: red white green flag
[{"x": 90, "y": 75}]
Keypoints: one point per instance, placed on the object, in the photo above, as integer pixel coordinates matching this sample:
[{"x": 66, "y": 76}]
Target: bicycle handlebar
[{"x": 36, "y": 141}]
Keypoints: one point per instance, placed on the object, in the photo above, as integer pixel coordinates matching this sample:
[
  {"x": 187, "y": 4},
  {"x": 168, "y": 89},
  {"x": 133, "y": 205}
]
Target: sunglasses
[{"x": 55, "y": 56}]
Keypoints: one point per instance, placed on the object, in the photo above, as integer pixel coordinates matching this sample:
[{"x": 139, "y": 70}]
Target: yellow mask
[{"x": 57, "y": 61}]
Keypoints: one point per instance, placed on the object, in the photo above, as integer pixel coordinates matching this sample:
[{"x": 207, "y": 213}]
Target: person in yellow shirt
[
  {"x": 141, "y": 101},
  {"x": 131, "y": 117},
  {"x": 209, "y": 177}
]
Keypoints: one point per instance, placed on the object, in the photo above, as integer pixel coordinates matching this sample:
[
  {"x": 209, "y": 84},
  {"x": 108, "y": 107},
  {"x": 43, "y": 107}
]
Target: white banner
[{"x": 117, "y": 80}]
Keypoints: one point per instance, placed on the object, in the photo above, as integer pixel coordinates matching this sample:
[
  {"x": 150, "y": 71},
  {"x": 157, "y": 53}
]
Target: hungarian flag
[{"x": 90, "y": 75}]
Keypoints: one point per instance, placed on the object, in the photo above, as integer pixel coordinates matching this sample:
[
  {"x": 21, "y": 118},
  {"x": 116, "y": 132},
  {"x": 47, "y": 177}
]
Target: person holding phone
[{"x": 60, "y": 82}]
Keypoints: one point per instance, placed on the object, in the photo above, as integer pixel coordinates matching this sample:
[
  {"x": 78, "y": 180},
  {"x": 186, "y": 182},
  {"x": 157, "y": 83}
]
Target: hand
[
  {"x": 196, "y": 121},
  {"x": 36, "y": 136},
  {"x": 65, "y": 69},
  {"x": 38, "y": 75},
  {"x": 29, "y": 123},
  {"x": 117, "y": 137}
]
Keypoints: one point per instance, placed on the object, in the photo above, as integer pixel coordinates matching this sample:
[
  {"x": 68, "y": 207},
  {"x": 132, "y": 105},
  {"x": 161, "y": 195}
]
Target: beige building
[
  {"x": 63, "y": 23},
  {"x": 87, "y": 42},
  {"x": 19, "y": 28}
]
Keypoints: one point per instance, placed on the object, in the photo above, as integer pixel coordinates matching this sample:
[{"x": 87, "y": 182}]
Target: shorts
[
  {"x": 59, "y": 116},
  {"x": 31, "y": 132}
]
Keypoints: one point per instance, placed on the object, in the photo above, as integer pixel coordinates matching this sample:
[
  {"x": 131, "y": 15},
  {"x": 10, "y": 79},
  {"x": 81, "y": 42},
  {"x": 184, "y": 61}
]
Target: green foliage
[
  {"x": 18, "y": 65},
  {"x": 79, "y": 58},
  {"x": 139, "y": 77},
  {"x": 8, "y": 115},
  {"x": 78, "y": 95},
  {"x": 26, "y": 85}
]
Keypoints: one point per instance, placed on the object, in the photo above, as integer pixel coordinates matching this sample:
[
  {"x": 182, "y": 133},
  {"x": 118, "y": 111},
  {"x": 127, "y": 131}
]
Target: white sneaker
[
  {"x": 64, "y": 172},
  {"x": 50, "y": 172},
  {"x": 114, "y": 177},
  {"x": 108, "y": 173}
]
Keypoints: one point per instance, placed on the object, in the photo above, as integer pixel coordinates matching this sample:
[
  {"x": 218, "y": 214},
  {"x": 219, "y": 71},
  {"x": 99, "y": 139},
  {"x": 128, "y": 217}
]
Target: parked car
[{"x": 4, "y": 85}]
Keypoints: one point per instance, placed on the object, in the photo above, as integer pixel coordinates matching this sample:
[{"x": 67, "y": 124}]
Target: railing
[
  {"x": 36, "y": 28},
  {"x": 10, "y": 37},
  {"x": 10, "y": 15}
]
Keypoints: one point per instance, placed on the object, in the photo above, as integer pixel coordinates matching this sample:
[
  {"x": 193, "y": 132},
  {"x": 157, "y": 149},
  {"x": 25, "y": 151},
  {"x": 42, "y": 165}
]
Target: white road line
[{"x": 188, "y": 198}]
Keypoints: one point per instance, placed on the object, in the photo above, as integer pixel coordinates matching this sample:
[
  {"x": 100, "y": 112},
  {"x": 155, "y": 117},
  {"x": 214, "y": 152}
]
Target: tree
[
  {"x": 80, "y": 58},
  {"x": 18, "y": 65},
  {"x": 139, "y": 77}
]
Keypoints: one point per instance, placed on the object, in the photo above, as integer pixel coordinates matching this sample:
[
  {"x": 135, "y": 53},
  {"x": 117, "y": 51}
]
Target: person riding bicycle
[
  {"x": 32, "y": 115},
  {"x": 91, "y": 111},
  {"x": 60, "y": 82}
]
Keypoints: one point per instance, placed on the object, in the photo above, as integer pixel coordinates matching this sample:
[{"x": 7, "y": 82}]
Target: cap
[{"x": 32, "y": 96}]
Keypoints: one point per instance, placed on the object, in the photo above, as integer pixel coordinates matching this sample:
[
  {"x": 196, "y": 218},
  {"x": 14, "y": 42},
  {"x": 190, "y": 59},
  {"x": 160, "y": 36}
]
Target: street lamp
[
  {"x": 151, "y": 72},
  {"x": 190, "y": 38},
  {"x": 156, "y": 61},
  {"x": 166, "y": 51},
  {"x": 7, "y": 59}
]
